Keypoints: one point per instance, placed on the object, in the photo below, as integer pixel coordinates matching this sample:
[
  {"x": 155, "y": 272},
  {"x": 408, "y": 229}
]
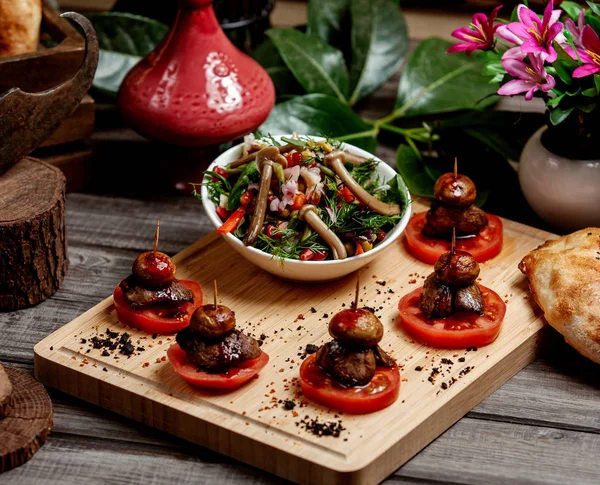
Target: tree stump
[
  {"x": 33, "y": 247},
  {"x": 28, "y": 422}
]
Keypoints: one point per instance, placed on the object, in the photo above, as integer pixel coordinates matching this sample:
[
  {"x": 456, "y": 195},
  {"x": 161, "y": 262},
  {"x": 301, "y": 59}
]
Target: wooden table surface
[{"x": 541, "y": 427}]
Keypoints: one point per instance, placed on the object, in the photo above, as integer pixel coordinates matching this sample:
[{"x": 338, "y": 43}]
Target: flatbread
[
  {"x": 6, "y": 390},
  {"x": 564, "y": 277}
]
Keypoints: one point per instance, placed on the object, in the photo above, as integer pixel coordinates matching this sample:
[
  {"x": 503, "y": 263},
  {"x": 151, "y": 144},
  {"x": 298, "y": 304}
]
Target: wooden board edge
[
  {"x": 216, "y": 438},
  {"x": 440, "y": 421}
]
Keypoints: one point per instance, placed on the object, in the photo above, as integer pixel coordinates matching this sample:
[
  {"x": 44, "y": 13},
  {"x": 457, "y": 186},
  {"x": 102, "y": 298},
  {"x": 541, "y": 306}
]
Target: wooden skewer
[
  {"x": 453, "y": 247},
  {"x": 156, "y": 235},
  {"x": 357, "y": 290},
  {"x": 215, "y": 283},
  {"x": 455, "y": 167}
]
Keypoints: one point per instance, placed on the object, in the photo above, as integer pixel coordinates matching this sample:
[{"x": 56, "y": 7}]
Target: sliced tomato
[
  {"x": 458, "y": 331},
  {"x": 159, "y": 318},
  {"x": 234, "y": 377},
  {"x": 486, "y": 245},
  {"x": 317, "y": 386}
]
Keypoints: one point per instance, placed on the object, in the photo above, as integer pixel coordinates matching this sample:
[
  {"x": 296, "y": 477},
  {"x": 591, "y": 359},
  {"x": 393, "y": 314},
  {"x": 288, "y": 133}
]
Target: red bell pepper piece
[
  {"x": 345, "y": 193},
  {"x": 233, "y": 221}
]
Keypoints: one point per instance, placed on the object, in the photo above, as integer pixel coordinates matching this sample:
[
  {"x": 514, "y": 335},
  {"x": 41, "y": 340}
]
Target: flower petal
[
  {"x": 519, "y": 30},
  {"x": 590, "y": 39},
  {"x": 549, "y": 84},
  {"x": 504, "y": 33},
  {"x": 466, "y": 34},
  {"x": 554, "y": 31},
  {"x": 532, "y": 46},
  {"x": 516, "y": 68},
  {"x": 529, "y": 94},
  {"x": 494, "y": 14},
  {"x": 586, "y": 70},
  {"x": 516, "y": 86},
  {"x": 457, "y": 48},
  {"x": 480, "y": 19},
  {"x": 514, "y": 53},
  {"x": 552, "y": 55},
  {"x": 527, "y": 17},
  {"x": 555, "y": 16}
]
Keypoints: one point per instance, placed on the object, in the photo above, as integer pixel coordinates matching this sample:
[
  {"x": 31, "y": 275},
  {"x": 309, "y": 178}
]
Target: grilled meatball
[
  {"x": 436, "y": 298},
  {"x": 140, "y": 297},
  {"x": 348, "y": 366},
  {"x": 356, "y": 327},
  {"x": 441, "y": 219},
  {"x": 212, "y": 323},
  {"x": 469, "y": 299},
  {"x": 457, "y": 268},
  {"x": 218, "y": 356},
  {"x": 457, "y": 191}
]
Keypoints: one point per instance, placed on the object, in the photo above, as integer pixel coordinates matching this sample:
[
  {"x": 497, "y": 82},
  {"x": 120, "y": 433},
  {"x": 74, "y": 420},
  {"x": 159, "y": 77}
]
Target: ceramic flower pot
[
  {"x": 562, "y": 191},
  {"x": 196, "y": 88}
]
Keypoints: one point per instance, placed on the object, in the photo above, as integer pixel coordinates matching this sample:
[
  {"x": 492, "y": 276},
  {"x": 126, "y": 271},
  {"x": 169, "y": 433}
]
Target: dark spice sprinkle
[
  {"x": 289, "y": 405},
  {"x": 444, "y": 386},
  {"x": 474, "y": 349},
  {"x": 127, "y": 349},
  {"x": 154, "y": 335},
  {"x": 83, "y": 340},
  {"x": 124, "y": 338},
  {"x": 104, "y": 369},
  {"x": 313, "y": 309},
  {"x": 311, "y": 348},
  {"x": 369, "y": 309},
  {"x": 140, "y": 349},
  {"x": 380, "y": 282},
  {"x": 447, "y": 361},
  {"x": 105, "y": 353},
  {"x": 112, "y": 334},
  {"x": 418, "y": 368},
  {"x": 321, "y": 428},
  {"x": 462, "y": 359},
  {"x": 325, "y": 315}
]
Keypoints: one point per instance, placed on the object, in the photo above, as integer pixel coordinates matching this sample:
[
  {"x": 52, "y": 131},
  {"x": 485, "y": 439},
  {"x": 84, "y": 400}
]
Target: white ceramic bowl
[{"x": 305, "y": 271}]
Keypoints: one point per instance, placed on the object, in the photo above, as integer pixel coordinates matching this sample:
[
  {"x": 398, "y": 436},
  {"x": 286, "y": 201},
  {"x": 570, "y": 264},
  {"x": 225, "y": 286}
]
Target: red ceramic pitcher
[{"x": 196, "y": 88}]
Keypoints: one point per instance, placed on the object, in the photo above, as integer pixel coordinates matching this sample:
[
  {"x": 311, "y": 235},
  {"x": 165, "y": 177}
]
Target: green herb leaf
[
  {"x": 267, "y": 55},
  {"x": 554, "y": 102},
  {"x": 124, "y": 40},
  {"x": 318, "y": 67},
  {"x": 412, "y": 170},
  {"x": 318, "y": 114},
  {"x": 397, "y": 193},
  {"x": 436, "y": 82},
  {"x": 325, "y": 19},
  {"x": 379, "y": 43},
  {"x": 572, "y": 9},
  {"x": 249, "y": 176},
  {"x": 592, "y": 21},
  {"x": 594, "y": 7},
  {"x": 558, "y": 115},
  {"x": 597, "y": 82}
]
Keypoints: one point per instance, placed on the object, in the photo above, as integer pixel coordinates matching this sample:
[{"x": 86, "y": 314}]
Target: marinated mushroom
[
  {"x": 309, "y": 214},
  {"x": 335, "y": 161},
  {"x": 212, "y": 321},
  {"x": 456, "y": 268},
  {"x": 455, "y": 189},
  {"x": 356, "y": 327},
  {"x": 265, "y": 159}
]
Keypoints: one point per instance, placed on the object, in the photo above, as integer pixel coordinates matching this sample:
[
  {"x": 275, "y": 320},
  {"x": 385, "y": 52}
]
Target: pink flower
[
  {"x": 576, "y": 30},
  {"x": 532, "y": 34},
  {"x": 479, "y": 35},
  {"x": 589, "y": 53},
  {"x": 530, "y": 77}
]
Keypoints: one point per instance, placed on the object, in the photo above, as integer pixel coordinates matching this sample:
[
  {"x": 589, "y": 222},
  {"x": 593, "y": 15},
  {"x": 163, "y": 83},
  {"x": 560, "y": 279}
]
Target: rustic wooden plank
[
  {"x": 130, "y": 224},
  {"x": 471, "y": 452}
]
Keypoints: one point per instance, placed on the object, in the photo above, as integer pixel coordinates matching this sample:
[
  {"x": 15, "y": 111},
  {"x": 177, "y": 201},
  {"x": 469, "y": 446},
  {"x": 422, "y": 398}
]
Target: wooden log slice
[
  {"x": 28, "y": 422},
  {"x": 6, "y": 389},
  {"x": 33, "y": 246}
]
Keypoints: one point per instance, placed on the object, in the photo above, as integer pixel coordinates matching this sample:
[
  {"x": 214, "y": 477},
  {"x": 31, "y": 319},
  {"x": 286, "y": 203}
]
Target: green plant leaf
[
  {"x": 124, "y": 40},
  {"x": 318, "y": 114},
  {"x": 554, "y": 102},
  {"x": 597, "y": 82},
  {"x": 592, "y": 21},
  {"x": 268, "y": 57},
  {"x": 325, "y": 19},
  {"x": 412, "y": 170},
  {"x": 590, "y": 93},
  {"x": 436, "y": 82},
  {"x": 594, "y": 7},
  {"x": 558, "y": 115},
  {"x": 318, "y": 67},
  {"x": 379, "y": 43},
  {"x": 572, "y": 9},
  {"x": 586, "y": 108}
]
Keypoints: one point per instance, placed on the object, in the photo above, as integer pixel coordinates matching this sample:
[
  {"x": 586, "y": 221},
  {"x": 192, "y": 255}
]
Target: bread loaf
[
  {"x": 19, "y": 26},
  {"x": 564, "y": 278}
]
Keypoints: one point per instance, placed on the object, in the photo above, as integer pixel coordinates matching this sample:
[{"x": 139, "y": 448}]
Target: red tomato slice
[
  {"x": 317, "y": 386},
  {"x": 156, "y": 319},
  {"x": 458, "y": 331},
  {"x": 486, "y": 245},
  {"x": 234, "y": 377}
]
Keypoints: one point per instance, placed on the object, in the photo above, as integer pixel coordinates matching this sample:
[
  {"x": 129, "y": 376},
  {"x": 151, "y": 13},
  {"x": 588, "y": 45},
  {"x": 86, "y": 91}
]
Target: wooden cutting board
[{"x": 252, "y": 424}]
